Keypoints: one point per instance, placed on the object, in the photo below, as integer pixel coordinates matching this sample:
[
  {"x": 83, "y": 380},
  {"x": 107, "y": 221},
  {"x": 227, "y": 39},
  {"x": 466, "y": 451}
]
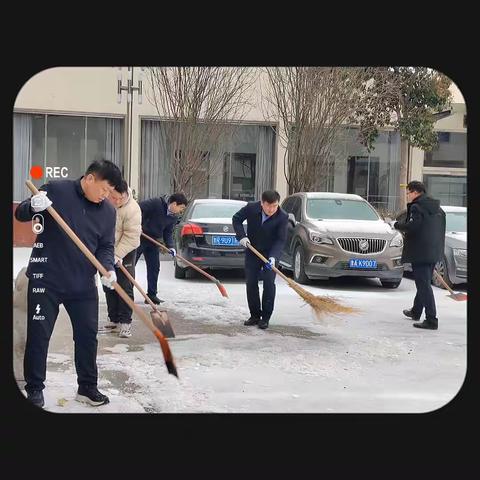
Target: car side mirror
[{"x": 292, "y": 219}]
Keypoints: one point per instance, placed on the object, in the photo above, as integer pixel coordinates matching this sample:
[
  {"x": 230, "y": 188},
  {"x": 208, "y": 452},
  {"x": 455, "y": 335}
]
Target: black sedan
[{"x": 206, "y": 238}]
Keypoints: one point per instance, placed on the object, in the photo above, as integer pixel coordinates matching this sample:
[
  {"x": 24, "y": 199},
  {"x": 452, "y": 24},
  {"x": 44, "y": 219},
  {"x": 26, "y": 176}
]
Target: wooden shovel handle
[
  {"x": 261, "y": 257},
  {"x": 442, "y": 281},
  {"x": 139, "y": 288},
  {"x": 97, "y": 264},
  {"x": 190, "y": 264}
]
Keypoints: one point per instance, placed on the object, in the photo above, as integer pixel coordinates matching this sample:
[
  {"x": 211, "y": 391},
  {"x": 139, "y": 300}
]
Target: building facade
[{"x": 69, "y": 116}]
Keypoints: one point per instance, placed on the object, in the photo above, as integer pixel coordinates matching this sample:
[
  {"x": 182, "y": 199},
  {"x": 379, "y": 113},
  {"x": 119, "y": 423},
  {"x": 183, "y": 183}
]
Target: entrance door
[{"x": 363, "y": 177}]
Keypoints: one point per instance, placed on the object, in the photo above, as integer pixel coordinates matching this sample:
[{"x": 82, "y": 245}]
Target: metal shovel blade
[
  {"x": 160, "y": 320},
  {"x": 459, "y": 297}
]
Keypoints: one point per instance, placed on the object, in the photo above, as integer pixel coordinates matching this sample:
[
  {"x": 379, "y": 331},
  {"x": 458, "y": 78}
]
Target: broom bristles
[{"x": 321, "y": 305}]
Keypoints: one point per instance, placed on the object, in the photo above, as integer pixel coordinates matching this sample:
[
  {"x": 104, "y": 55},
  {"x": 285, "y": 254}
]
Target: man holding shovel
[
  {"x": 424, "y": 231},
  {"x": 267, "y": 232},
  {"x": 159, "y": 217},
  {"x": 128, "y": 228},
  {"x": 59, "y": 273}
]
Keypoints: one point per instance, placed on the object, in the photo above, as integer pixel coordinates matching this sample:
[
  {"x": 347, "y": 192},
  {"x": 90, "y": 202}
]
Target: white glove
[
  {"x": 40, "y": 202},
  {"x": 172, "y": 252},
  {"x": 244, "y": 241},
  {"x": 117, "y": 260},
  {"x": 108, "y": 281}
]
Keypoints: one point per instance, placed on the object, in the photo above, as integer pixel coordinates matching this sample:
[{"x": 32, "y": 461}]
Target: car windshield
[
  {"x": 456, "y": 221},
  {"x": 215, "y": 210},
  {"x": 341, "y": 209}
]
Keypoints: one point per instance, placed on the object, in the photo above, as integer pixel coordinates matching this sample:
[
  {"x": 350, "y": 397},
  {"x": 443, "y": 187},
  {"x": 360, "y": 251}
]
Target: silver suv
[{"x": 339, "y": 234}]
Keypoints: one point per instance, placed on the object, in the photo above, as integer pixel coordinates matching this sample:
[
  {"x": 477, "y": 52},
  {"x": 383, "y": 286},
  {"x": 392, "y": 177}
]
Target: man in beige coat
[{"x": 128, "y": 228}]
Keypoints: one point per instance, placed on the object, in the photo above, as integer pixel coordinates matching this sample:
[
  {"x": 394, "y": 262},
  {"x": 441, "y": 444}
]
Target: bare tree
[
  {"x": 199, "y": 104},
  {"x": 312, "y": 103}
]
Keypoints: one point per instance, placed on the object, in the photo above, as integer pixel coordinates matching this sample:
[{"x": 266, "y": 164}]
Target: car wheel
[
  {"x": 390, "y": 283},
  {"x": 299, "y": 265},
  {"x": 179, "y": 271},
  {"x": 442, "y": 270}
]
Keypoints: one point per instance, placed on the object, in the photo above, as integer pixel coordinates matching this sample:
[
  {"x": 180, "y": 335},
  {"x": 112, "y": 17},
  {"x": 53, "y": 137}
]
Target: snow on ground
[{"x": 372, "y": 361}]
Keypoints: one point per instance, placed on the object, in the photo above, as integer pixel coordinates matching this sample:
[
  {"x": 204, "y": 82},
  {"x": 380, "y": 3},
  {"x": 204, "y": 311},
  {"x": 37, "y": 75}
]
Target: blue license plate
[
  {"x": 362, "y": 263},
  {"x": 225, "y": 240}
]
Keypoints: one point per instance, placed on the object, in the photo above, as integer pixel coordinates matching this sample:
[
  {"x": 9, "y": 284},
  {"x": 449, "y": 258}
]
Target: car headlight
[
  {"x": 460, "y": 252},
  {"x": 318, "y": 238},
  {"x": 397, "y": 240}
]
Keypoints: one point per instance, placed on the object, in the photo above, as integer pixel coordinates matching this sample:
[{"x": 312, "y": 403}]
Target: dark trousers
[
  {"x": 42, "y": 313},
  {"x": 118, "y": 310},
  {"x": 152, "y": 258},
  {"x": 422, "y": 273},
  {"x": 253, "y": 271}
]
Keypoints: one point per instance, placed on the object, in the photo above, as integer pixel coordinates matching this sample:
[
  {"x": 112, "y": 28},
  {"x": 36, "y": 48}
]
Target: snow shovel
[
  {"x": 460, "y": 297},
  {"x": 167, "y": 354},
  {"x": 159, "y": 318},
  {"x": 222, "y": 289},
  {"x": 320, "y": 304}
]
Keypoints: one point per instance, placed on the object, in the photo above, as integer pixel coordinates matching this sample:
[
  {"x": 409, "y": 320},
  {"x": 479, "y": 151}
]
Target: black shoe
[
  {"x": 154, "y": 299},
  {"x": 263, "y": 323},
  {"x": 36, "y": 397},
  {"x": 409, "y": 314},
  {"x": 251, "y": 321},
  {"x": 91, "y": 395},
  {"x": 428, "y": 324}
]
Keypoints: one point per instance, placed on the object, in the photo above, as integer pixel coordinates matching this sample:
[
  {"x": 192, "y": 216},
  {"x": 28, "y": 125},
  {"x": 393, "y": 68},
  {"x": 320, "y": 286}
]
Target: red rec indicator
[{"x": 36, "y": 172}]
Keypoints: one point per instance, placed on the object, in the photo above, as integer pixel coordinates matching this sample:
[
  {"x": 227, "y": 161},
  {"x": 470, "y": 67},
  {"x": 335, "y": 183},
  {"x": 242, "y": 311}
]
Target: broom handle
[
  {"x": 210, "y": 277},
  {"x": 274, "y": 268},
  {"x": 139, "y": 288},
  {"x": 442, "y": 281},
  {"x": 96, "y": 263}
]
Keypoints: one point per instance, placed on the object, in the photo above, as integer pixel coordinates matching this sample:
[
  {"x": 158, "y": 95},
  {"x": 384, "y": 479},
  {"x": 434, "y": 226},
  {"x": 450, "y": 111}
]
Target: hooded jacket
[
  {"x": 128, "y": 226},
  {"x": 424, "y": 231}
]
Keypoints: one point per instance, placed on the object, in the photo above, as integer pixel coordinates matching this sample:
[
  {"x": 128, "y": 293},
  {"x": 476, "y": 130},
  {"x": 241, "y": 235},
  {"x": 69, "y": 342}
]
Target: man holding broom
[
  {"x": 59, "y": 272},
  {"x": 267, "y": 232},
  {"x": 128, "y": 228}
]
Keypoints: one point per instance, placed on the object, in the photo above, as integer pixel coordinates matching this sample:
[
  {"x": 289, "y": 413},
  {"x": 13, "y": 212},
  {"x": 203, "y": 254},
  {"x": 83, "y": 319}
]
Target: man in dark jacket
[
  {"x": 59, "y": 272},
  {"x": 424, "y": 231},
  {"x": 267, "y": 232},
  {"x": 159, "y": 217}
]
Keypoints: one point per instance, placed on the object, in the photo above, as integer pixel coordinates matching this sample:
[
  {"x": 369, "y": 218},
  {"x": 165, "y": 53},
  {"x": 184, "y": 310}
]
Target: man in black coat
[
  {"x": 424, "y": 231},
  {"x": 267, "y": 232},
  {"x": 59, "y": 273},
  {"x": 159, "y": 217}
]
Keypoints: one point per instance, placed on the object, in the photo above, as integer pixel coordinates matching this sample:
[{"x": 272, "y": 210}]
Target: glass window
[
  {"x": 287, "y": 203},
  {"x": 456, "y": 221},
  {"x": 448, "y": 189},
  {"x": 242, "y": 178},
  {"x": 216, "y": 210},
  {"x": 335, "y": 208},
  {"x": 104, "y": 140},
  {"x": 66, "y": 144},
  {"x": 297, "y": 204},
  {"x": 450, "y": 152}
]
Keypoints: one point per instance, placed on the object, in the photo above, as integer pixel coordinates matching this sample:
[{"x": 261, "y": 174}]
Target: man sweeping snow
[{"x": 59, "y": 272}]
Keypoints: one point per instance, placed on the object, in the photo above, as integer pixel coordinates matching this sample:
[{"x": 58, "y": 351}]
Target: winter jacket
[
  {"x": 156, "y": 222},
  {"x": 424, "y": 231},
  {"x": 56, "y": 260},
  {"x": 268, "y": 238},
  {"x": 128, "y": 227}
]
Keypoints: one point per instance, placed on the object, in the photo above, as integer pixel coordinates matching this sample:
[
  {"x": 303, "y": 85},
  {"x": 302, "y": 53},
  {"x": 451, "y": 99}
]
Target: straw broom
[{"x": 321, "y": 305}]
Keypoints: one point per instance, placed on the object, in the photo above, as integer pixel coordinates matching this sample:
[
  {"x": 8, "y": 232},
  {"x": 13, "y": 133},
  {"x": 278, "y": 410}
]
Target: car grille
[{"x": 375, "y": 245}]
